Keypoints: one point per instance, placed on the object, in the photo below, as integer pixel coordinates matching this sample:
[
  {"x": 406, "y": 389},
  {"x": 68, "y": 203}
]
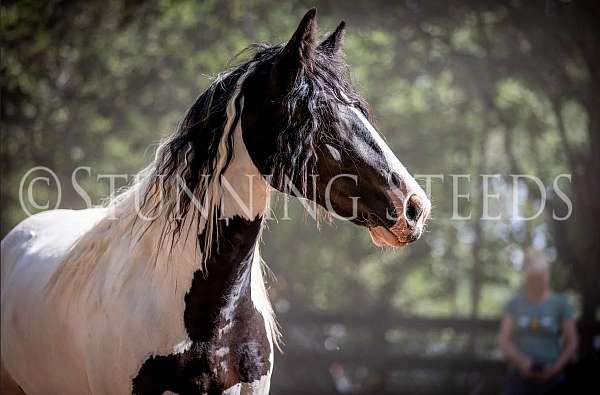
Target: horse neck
[
  {"x": 133, "y": 248},
  {"x": 231, "y": 274},
  {"x": 241, "y": 191}
]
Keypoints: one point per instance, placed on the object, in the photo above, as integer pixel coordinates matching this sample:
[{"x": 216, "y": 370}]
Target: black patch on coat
[{"x": 201, "y": 369}]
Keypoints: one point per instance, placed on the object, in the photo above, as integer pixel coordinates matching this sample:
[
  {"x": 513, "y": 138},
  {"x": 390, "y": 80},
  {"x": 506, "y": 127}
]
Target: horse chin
[{"x": 383, "y": 237}]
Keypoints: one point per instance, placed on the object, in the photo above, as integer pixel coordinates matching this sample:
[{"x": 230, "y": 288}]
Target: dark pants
[{"x": 519, "y": 385}]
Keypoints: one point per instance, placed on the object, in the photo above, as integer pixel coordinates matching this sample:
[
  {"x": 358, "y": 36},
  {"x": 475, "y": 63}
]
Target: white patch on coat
[
  {"x": 391, "y": 159},
  {"x": 182, "y": 346}
]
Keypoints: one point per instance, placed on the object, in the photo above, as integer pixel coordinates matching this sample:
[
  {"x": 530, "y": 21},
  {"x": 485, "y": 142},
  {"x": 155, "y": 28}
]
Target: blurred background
[{"x": 457, "y": 87}]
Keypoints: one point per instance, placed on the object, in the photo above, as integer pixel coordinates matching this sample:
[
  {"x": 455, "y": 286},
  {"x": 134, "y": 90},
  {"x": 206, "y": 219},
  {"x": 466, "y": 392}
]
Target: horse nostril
[{"x": 414, "y": 209}]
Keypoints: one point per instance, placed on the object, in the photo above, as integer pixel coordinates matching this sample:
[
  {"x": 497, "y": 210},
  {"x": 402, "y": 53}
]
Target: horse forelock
[{"x": 312, "y": 111}]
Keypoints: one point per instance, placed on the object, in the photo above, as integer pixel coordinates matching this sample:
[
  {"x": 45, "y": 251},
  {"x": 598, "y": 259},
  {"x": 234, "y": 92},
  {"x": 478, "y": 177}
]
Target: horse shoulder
[{"x": 31, "y": 334}]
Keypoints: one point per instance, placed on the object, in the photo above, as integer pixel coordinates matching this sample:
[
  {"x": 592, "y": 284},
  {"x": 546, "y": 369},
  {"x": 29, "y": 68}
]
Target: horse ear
[
  {"x": 298, "y": 52},
  {"x": 332, "y": 45}
]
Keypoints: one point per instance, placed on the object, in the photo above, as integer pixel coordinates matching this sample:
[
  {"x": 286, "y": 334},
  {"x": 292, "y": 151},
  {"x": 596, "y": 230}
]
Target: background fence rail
[{"x": 374, "y": 365}]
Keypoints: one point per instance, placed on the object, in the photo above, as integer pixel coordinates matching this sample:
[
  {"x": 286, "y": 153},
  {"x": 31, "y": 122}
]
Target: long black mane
[{"x": 190, "y": 154}]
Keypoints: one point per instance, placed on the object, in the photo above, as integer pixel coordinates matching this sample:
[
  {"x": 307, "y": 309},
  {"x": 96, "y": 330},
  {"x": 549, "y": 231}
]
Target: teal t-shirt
[{"x": 537, "y": 326}]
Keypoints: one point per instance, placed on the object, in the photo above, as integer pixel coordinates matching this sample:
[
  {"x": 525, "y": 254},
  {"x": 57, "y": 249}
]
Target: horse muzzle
[{"x": 412, "y": 215}]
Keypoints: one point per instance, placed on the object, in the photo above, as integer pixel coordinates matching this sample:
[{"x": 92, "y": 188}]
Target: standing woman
[{"x": 537, "y": 334}]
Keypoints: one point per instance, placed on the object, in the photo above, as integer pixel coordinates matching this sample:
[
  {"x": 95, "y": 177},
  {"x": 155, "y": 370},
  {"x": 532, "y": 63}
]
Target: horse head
[{"x": 306, "y": 127}]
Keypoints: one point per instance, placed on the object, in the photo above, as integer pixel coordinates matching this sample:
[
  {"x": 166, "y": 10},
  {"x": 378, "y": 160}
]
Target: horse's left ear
[
  {"x": 298, "y": 52},
  {"x": 332, "y": 45}
]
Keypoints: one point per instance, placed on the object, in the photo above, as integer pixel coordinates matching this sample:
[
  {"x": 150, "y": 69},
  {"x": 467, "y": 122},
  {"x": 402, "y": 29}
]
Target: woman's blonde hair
[{"x": 536, "y": 261}]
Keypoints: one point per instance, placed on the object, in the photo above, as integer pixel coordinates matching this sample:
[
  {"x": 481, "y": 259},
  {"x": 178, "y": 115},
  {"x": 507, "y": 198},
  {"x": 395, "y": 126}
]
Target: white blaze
[{"x": 392, "y": 160}]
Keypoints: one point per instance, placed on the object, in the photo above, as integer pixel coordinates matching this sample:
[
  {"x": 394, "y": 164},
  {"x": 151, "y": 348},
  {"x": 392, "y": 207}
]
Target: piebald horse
[{"x": 161, "y": 291}]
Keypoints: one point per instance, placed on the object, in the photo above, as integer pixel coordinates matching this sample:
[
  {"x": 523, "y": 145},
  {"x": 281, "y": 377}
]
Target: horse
[{"x": 161, "y": 290}]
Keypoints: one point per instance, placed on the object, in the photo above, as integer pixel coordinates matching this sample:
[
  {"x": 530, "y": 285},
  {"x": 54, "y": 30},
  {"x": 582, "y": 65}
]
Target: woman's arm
[
  {"x": 570, "y": 341},
  {"x": 510, "y": 351}
]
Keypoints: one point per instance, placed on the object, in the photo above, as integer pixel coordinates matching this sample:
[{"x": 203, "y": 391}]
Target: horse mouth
[{"x": 383, "y": 237}]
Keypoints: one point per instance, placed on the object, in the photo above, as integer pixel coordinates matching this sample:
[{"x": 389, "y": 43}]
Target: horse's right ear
[
  {"x": 298, "y": 52},
  {"x": 332, "y": 45}
]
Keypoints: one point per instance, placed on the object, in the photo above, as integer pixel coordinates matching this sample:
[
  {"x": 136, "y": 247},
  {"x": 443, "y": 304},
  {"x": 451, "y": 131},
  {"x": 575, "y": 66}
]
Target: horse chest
[{"x": 228, "y": 342}]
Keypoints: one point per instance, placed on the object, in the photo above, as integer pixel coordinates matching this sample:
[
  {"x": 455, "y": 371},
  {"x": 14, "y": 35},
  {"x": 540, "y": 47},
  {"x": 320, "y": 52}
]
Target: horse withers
[{"x": 162, "y": 290}]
